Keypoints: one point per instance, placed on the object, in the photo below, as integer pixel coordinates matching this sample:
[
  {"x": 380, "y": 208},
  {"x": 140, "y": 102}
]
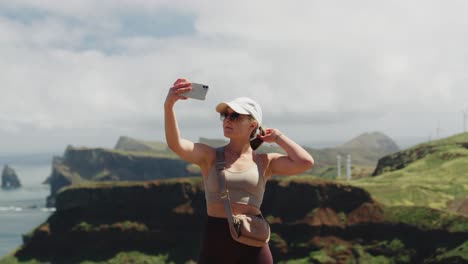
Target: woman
[{"x": 246, "y": 171}]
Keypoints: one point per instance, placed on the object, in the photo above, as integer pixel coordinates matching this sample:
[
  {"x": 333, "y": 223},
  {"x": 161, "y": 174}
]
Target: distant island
[{"x": 10, "y": 179}]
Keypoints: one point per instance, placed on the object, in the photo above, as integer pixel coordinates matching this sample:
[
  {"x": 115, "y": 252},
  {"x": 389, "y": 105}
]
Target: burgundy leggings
[{"x": 219, "y": 247}]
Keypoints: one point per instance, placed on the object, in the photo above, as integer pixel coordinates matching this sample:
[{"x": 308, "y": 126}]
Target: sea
[{"x": 23, "y": 209}]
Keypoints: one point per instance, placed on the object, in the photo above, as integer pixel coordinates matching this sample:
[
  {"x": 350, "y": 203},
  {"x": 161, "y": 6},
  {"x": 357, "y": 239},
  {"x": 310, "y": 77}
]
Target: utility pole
[
  {"x": 348, "y": 167},
  {"x": 464, "y": 113},
  {"x": 438, "y": 129},
  {"x": 338, "y": 166}
]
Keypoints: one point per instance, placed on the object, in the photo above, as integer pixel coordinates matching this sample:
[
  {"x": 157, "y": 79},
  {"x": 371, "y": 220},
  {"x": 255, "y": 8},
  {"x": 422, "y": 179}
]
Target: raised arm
[
  {"x": 187, "y": 150},
  {"x": 296, "y": 161}
]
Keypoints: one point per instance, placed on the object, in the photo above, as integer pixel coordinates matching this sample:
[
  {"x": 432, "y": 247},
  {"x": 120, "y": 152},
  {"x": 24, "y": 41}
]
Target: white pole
[
  {"x": 338, "y": 166},
  {"x": 464, "y": 121},
  {"x": 348, "y": 168},
  {"x": 438, "y": 129}
]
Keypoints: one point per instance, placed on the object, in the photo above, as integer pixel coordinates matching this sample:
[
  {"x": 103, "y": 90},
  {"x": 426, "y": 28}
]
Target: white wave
[
  {"x": 19, "y": 209},
  {"x": 50, "y": 209},
  {"x": 10, "y": 208}
]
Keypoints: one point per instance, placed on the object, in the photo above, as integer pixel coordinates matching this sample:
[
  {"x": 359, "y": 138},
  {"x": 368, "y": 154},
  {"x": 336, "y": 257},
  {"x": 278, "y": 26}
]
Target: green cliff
[
  {"x": 312, "y": 221},
  {"x": 97, "y": 164}
]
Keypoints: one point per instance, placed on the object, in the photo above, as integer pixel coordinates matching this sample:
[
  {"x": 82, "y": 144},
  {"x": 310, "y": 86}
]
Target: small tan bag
[{"x": 246, "y": 229}]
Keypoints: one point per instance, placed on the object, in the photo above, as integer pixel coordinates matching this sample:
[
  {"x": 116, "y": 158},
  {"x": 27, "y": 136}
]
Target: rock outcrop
[
  {"x": 401, "y": 159},
  {"x": 10, "y": 179}
]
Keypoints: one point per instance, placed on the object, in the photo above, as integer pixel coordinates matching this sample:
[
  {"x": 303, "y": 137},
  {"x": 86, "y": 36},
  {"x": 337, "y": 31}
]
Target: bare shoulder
[
  {"x": 265, "y": 162},
  {"x": 205, "y": 148},
  {"x": 266, "y": 158},
  {"x": 272, "y": 156},
  {"x": 208, "y": 152},
  {"x": 262, "y": 158}
]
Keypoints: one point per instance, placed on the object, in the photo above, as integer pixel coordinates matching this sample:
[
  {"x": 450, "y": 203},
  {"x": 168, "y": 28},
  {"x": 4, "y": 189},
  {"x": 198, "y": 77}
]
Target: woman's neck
[{"x": 238, "y": 147}]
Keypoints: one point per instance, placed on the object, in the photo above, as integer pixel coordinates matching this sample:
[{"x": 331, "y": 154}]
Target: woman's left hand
[{"x": 271, "y": 135}]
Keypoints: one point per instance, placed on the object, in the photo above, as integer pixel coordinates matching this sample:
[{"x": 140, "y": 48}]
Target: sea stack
[{"x": 10, "y": 179}]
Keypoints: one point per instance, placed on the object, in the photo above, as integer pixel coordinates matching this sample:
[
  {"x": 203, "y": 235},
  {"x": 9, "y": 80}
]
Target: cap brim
[{"x": 238, "y": 109}]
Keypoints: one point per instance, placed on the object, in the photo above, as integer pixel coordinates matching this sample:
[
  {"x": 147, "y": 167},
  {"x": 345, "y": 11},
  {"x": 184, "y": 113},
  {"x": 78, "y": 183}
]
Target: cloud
[{"x": 108, "y": 64}]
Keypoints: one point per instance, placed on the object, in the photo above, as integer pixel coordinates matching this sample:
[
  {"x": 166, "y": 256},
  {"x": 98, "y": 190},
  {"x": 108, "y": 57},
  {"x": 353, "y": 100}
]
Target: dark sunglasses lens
[{"x": 233, "y": 116}]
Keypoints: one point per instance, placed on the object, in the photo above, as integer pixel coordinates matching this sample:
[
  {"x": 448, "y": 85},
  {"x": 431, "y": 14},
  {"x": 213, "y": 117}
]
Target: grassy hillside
[
  {"x": 432, "y": 174},
  {"x": 128, "y": 144}
]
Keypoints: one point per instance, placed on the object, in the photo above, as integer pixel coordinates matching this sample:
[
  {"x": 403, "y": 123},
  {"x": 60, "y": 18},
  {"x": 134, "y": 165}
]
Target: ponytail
[{"x": 256, "y": 142}]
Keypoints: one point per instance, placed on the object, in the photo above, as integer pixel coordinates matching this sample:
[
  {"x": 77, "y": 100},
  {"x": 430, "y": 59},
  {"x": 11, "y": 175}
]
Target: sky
[{"x": 85, "y": 72}]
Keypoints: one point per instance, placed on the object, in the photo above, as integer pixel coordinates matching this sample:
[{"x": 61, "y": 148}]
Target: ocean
[{"x": 23, "y": 209}]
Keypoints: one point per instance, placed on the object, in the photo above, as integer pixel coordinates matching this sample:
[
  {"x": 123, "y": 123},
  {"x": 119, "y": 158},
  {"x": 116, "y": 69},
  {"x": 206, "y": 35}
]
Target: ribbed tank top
[{"x": 245, "y": 187}]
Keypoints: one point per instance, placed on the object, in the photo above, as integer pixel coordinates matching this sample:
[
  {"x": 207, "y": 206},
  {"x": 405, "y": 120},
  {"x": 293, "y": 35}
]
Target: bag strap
[{"x": 220, "y": 166}]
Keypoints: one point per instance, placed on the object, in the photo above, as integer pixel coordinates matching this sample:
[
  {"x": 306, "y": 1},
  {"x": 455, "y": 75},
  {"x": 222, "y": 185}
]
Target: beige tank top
[{"x": 245, "y": 187}]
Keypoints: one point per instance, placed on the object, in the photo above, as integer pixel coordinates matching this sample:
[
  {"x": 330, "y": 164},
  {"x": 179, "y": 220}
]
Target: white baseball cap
[{"x": 244, "y": 106}]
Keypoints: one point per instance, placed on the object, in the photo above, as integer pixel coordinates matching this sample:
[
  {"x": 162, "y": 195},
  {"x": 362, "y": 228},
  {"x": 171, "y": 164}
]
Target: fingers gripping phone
[{"x": 198, "y": 91}]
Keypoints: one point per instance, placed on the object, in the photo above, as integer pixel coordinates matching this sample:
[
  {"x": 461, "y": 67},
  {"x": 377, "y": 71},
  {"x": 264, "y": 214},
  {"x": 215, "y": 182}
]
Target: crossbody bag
[{"x": 247, "y": 229}]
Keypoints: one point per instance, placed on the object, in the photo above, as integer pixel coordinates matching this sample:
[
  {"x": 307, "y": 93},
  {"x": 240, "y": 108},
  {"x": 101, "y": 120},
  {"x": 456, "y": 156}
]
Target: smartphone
[{"x": 198, "y": 91}]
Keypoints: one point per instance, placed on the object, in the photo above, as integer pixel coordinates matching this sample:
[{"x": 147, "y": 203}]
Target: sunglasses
[{"x": 232, "y": 116}]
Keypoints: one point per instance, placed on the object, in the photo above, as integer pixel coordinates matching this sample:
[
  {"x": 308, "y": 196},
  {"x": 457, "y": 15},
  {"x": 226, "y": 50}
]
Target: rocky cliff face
[
  {"x": 401, "y": 159},
  {"x": 97, "y": 164},
  {"x": 310, "y": 220},
  {"x": 10, "y": 179}
]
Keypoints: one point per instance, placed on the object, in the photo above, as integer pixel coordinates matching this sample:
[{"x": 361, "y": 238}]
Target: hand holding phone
[{"x": 198, "y": 91}]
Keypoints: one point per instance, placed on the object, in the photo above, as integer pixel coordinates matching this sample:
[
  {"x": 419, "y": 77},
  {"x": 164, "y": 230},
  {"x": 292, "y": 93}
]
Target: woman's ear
[{"x": 253, "y": 126}]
